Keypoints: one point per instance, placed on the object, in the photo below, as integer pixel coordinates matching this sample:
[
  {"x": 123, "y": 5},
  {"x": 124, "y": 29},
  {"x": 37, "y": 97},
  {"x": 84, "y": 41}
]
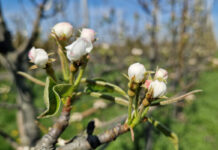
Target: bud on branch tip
[
  {"x": 136, "y": 72},
  {"x": 38, "y": 56},
  {"x": 63, "y": 30},
  {"x": 81, "y": 46}
]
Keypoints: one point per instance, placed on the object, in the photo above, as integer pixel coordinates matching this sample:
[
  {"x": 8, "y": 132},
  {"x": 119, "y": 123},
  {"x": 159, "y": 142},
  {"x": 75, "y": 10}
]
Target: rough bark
[
  {"x": 49, "y": 140},
  {"x": 93, "y": 141}
]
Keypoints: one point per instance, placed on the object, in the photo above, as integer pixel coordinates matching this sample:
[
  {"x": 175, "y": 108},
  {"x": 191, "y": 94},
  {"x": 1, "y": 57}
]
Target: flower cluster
[
  {"x": 157, "y": 86},
  {"x": 75, "y": 51},
  {"x": 82, "y": 46}
]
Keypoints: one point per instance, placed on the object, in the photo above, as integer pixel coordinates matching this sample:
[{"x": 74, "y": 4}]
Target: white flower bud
[
  {"x": 88, "y": 34},
  {"x": 136, "y": 71},
  {"x": 78, "y": 49},
  {"x": 32, "y": 54},
  {"x": 63, "y": 30},
  {"x": 147, "y": 83},
  {"x": 161, "y": 73},
  {"x": 38, "y": 56},
  {"x": 159, "y": 88}
]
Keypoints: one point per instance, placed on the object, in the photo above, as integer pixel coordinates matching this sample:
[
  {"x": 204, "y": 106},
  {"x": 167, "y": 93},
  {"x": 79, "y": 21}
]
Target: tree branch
[
  {"x": 9, "y": 139},
  {"x": 49, "y": 140},
  {"x": 5, "y": 35},
  {"x": 24, "y": 48},
  {"x": 92, "y": 141}
]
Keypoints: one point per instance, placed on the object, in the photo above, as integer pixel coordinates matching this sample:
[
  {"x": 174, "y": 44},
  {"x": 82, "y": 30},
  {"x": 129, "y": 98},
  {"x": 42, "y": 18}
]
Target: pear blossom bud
[
  {"x": 32, "y": 54},
  {"x": 159, "y": 88},
  {"x": 78, "y": 49},
  {"x": 88, "y": 34},
  {"x": 38, "y": 56},
  {"x": 63, "y": 30},
  {"x": 161, "y": 73},
  {"x": 136, "y": 71},
  {"x": 147, "y": 83}
]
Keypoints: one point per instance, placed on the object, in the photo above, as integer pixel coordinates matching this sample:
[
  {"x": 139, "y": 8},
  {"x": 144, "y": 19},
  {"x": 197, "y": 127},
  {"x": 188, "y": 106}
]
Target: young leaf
[
  {"x": 63, "y": 90},
  {"x": 101, "y": 86},
  {"x": 166, "y": 132},
  {"x": 117, "y": 100},
  {"x": 51, "y": 102}
]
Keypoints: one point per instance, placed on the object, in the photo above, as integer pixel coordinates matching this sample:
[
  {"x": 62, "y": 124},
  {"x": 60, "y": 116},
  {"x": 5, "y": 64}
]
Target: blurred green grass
[{"x": 197, "y": 130}]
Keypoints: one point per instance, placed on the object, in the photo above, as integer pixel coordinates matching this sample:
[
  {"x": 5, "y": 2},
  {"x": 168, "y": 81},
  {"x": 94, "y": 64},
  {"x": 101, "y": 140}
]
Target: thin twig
[{"x": 24, "y": 48}]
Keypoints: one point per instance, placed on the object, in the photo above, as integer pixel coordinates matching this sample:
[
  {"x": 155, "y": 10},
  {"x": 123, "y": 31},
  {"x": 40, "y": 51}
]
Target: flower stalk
[
  {"x": 73, "y": 70},
  {"x": 64, "y": 63}
]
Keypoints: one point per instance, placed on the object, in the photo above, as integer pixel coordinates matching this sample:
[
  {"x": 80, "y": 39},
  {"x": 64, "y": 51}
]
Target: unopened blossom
[
  {"x": 32, "y": 54},
  {"x": 147, "y": 83},
  {"x": 88, "y": 34},
  {"x": 161, "y": 73},
  {"x": 63, "y": 30},
  {"x": 136, "y": 71},
  {"x": 38, "y": 56},
  {"x": 159, "y": 88},
  {"x": 78, "y": 49}
]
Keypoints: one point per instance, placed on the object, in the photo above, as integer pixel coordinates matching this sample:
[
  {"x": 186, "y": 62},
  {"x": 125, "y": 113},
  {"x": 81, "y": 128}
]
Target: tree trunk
[{"x": 29, "y": 132}]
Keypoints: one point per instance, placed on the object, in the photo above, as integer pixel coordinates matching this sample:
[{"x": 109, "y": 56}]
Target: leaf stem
[
  {"x": 64, "y": 63},
  {"x": 73, "y": 70},
  {"x": 79, "y": 77},
  {"x": 136, "y": 101}
]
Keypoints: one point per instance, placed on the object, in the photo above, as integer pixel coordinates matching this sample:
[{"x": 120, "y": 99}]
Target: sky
[{"x": 22, "y": 16}]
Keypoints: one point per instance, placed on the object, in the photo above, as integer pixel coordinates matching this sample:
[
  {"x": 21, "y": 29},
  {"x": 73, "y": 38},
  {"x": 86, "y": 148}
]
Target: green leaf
[
  {"x": 101, "y": 86},
  {"x": 162, "y": 128},
  {"x": 117, "y": 100},
  {"x": 63, "y": 90},
  {"x": 51, "y": 102}
]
